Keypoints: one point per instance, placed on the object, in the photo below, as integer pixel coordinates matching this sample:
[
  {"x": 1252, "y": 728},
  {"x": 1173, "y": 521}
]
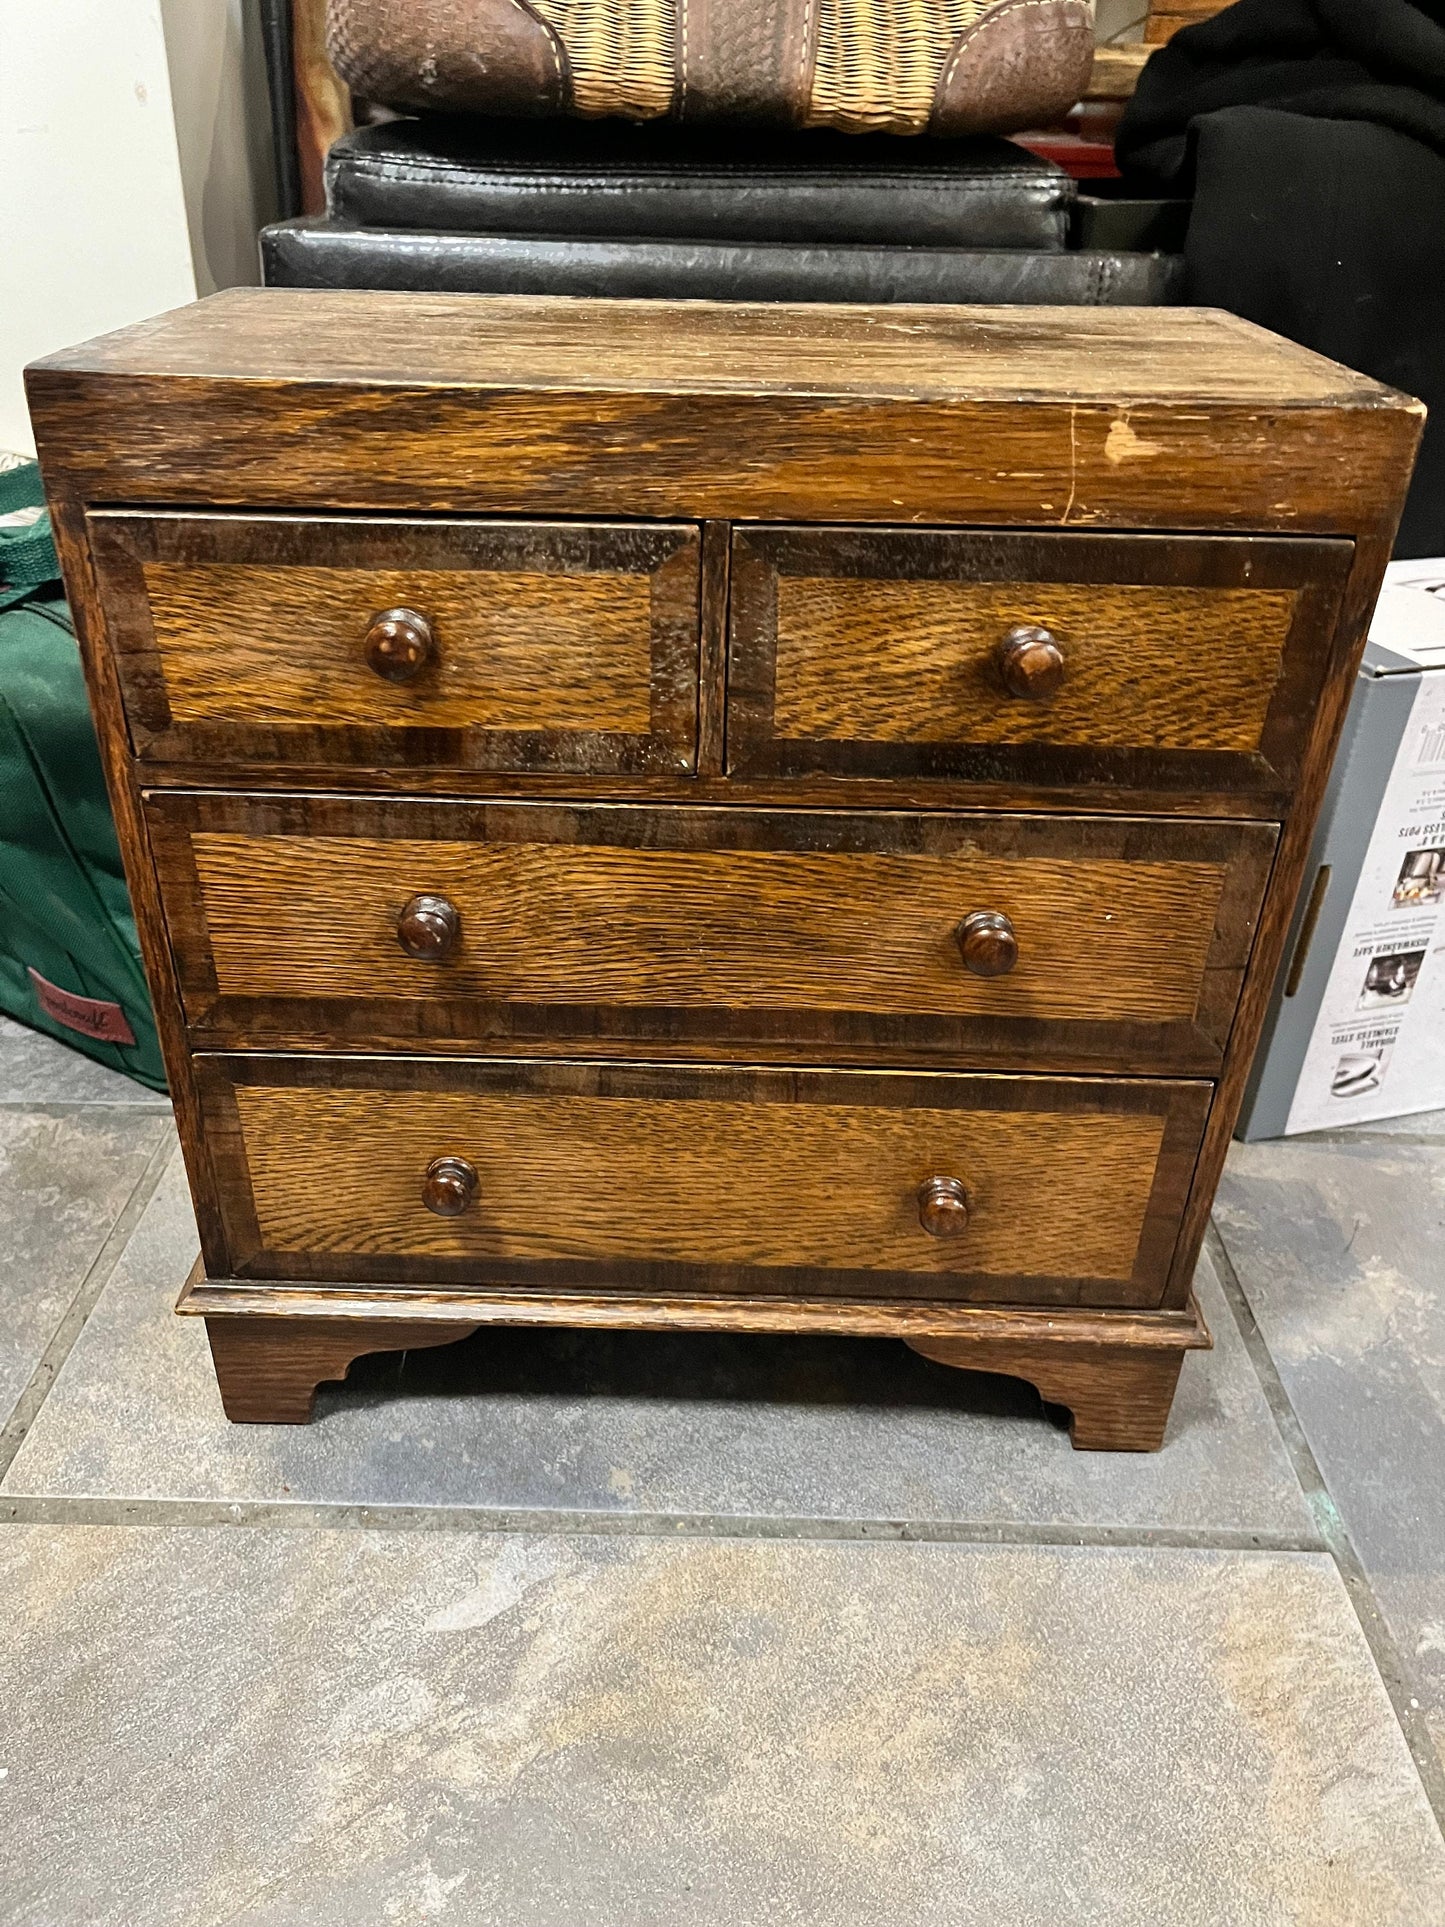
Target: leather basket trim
[
  {"x": 449, "y": 55},
  {"x": 1022, "y": 63}
]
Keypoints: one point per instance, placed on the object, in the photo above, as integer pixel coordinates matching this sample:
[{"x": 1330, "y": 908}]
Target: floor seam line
[
  {"x": 1347, "y": 1134},
  {"x": 298, "y": 1515},
  {"x": 82, "y": 1302},
  {"x": 1395, "y": 1673},
  {"x": 67, "y": 1106}
]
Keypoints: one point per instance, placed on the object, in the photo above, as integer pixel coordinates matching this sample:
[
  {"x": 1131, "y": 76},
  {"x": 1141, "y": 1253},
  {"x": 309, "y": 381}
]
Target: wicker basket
[{"x": 895, "y": 66}]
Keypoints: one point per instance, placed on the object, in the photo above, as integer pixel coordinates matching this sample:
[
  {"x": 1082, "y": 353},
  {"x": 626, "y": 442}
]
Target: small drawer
[
  {"x": 1036, "y": 941},
  {"x": 1138, "y": 662},
  {"x": 705, "y": 1179},
  {"x": 469, "y": 645}
]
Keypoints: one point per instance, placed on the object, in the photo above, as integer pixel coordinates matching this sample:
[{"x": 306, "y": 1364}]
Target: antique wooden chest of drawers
[{"x": 664, "y": 814}]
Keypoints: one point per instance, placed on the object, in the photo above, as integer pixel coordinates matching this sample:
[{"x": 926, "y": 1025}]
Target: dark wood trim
[
  {"x": 68, "y": 521},
  {"x": 440, "y": 1009},
  {"x": 222, "y": 1297},
  {"x": 810, "y": 792},
  {"x": 273, "y": 1345},
  {"x": 713, "y": 647},
  {"x": 1183, "y": 1107},
  {"x": 1372, "y": 552},
  {"x": 125, "y": 541},
  {"x": 235, "y": 1201},
  {"x": 1315, "y": 570},
  {"x": 268, "y": 1369},
  {"x": 1118, "y": 1399}
]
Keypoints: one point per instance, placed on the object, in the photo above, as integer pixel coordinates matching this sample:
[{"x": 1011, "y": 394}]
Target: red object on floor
[{"x": 1085, "y": 159}]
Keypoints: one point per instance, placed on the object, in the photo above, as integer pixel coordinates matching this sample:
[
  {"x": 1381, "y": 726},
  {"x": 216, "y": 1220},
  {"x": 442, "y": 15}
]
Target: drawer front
[
  {"x": 700, "y": 1178},
  {"x": 542, "y": 646},
  {"x": 288, "y": 917},
  {"x": 1169, "y": 662}
]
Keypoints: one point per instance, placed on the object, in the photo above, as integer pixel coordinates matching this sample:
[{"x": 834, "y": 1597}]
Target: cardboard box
[{"x": 1356, "y": 1029}]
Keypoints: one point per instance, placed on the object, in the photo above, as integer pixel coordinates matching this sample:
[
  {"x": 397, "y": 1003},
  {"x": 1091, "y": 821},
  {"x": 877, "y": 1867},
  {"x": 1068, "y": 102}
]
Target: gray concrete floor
[{"x": 631, "y": 1628}]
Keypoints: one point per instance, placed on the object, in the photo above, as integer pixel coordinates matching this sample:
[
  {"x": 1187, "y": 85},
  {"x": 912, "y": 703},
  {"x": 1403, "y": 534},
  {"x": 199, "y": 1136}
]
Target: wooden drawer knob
[
  {"x": 449, "y": 1186},
  {"x": 988, "y": 943},
  {"x": 1031, "y": 662},
  {"x": 399, "y": 644},
  {"x": 428, "y": 927},
  {"x": 943, "y": 1207}
]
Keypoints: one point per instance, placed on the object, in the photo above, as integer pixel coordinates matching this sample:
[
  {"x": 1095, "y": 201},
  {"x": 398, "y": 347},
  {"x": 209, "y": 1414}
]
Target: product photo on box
[{"x": 1356, "y": 1032}]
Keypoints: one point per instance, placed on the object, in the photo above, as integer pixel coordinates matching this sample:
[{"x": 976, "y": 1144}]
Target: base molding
[
  {"x": 268, "y": 1369},
  {"x": 1118, "y": 1397},
  {"x": 274, "y": 1343}
]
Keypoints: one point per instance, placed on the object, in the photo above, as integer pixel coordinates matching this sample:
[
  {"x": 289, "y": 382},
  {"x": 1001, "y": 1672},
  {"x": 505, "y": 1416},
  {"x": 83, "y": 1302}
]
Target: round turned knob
[
  {"x": 1030, "y": 662},
  {"x": 449, "y": 1186},
  {"x": 399, "y": 644},
  {"x": 943, "y": 1207},
  {"x": 428, "y": 927},
  {"x": 988, "y": 943}
]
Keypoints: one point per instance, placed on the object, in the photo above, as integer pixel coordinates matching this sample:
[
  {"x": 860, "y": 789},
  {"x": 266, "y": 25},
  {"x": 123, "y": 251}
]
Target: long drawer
[
  {"x": 403, "y": 643},
  {"x": 873, "y": 1184},
  {"x": 1041, "y": 942},
  {"x": 1144, "y": 662}
]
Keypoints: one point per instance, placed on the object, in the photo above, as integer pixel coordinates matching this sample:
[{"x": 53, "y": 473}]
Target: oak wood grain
[
  {"x": 750, "y": 926},
  {"x": 524, "y": 651},
  {"x": 473, "y": 1306},
  {"x": 268, "y": 1369},
  {"x": 1327, "y": 719},
  {"x": 877, "y": 652},
  {"x": 1166, "y": 17},
  {"x": 1116, "y": 70},
  {"x": 388, "y": 423},
  {"x": 747, "y": 1180},
  {"x": 912, "y": 662},
  {"x": 88, "y": 610},
  {"x": 561, "y": 344},
  {"x": 816, "y": 791},
  {"x": 1118, "y": 1400},
  {"x": 1112, "y": 417},
  {"x": 1248, "y": 468},
  {"x": 551, "y": 646}
]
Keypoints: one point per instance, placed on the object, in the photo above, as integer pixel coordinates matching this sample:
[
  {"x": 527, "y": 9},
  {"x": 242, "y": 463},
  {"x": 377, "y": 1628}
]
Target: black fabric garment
[
  {"x": 1381, "y": 61},
  {"x": 1312, "y": 135},
  {"x": 1332, "y": 233}
]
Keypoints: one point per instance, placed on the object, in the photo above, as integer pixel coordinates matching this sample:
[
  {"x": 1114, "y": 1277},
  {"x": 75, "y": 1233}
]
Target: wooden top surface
[{"x": 912, "y": 353}]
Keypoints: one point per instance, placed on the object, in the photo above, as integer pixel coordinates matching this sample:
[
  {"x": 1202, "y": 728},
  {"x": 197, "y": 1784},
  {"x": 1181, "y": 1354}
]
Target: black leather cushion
[
  {"x": 661, "y": 181},
  {"x": 320, "y": 253}
]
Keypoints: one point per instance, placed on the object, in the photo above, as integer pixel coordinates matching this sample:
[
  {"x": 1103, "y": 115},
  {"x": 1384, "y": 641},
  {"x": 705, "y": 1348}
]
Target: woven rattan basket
[{"x": 895, "y": 66}]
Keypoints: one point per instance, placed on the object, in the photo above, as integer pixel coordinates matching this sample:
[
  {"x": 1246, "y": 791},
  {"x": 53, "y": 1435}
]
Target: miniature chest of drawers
[{"x": 771, "y": 818}]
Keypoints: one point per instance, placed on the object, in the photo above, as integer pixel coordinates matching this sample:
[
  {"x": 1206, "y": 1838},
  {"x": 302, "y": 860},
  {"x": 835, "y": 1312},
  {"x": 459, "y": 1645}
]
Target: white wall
[
  {"x": 135, "y": 168},
  {"x": 92, "y": 213},
  {"x": 223, "y": 129}
]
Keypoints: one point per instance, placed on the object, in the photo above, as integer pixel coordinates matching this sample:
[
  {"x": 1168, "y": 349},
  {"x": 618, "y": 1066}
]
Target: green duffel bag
[{"x": 69, "y": 961}]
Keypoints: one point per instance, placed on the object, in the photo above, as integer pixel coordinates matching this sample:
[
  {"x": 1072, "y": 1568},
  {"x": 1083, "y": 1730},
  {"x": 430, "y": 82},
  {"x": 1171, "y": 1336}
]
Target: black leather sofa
[{"x": 605, "y": 207}]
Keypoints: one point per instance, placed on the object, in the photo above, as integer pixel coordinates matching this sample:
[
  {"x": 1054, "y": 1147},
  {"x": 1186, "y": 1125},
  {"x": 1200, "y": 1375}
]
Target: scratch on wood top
[{"x": 1073, "y": 461}]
